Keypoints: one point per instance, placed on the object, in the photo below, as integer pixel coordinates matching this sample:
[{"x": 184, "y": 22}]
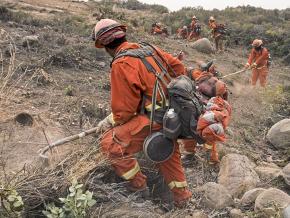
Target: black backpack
[{"x": 181, "y": 91}]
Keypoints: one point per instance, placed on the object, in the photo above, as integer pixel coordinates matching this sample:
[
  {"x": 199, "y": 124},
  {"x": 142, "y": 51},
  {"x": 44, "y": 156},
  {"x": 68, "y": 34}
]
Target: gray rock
[
  {"x": 216, "y": 196},
  {"x": 268, "y": 170},
  {"x": 286, "y": 174},
  {"x": 271, "y": 202},
  {"x": 236, "y": 213},
  {"x": 203, "y": 45},
  {"x": 101, "y": 64},
  {"x": 279, "y": 134},
  {"x": 250, "y": 196},
  {"x": 286, "y": 212},
  {"x": 30, "y": 41},
  {"x": 237, "y": 174}
]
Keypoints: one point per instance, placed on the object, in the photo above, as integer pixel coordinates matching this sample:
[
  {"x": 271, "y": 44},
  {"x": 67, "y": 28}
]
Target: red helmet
[{"x": 106, "y": 31}]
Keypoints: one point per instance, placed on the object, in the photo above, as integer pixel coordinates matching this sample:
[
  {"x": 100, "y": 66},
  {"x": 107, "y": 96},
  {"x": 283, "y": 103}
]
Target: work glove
[
  {"x": 105, "y": 124},
  {"x": 254, "y": 65},
  {"x": 247, "y": 65}
]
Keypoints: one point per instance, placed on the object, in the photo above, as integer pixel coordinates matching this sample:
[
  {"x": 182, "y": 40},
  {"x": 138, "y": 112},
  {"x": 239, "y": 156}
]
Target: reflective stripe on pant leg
[
  {"x": 131, "y": 173},
  {"x": 175, "y": 184}
]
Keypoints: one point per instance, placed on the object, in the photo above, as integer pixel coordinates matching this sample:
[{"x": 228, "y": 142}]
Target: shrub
[{"x": 75, "y": 205}]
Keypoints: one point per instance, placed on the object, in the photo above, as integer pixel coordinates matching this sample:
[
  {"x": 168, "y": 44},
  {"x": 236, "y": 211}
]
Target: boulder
[
  {"x": 237, "y": 174},
  {"x": 271, "y": 202},
  {"x": 203, "y": 45},
  {"x": 216, "y": 196},
  {"x": 236, "y": 213},
  {"x": 30, "y": 41},
  {"x": 250, "y": 196},
  {"x": 268, "y": 171},
  {"x": 286, "y": 174},
  {"x": 286, "y": 212},
  {"x": 279, "y": 134}
]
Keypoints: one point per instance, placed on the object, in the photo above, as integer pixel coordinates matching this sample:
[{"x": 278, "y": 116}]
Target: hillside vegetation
[{"x": 55, "y": 83}]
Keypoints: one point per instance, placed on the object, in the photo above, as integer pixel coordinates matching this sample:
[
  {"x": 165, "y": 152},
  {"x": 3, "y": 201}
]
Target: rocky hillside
[{"x": 54, "y": 83}]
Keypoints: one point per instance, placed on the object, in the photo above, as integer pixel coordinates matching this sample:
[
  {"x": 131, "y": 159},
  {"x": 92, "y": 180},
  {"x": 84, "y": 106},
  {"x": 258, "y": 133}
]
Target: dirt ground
[{"x": 63, "y": 83}]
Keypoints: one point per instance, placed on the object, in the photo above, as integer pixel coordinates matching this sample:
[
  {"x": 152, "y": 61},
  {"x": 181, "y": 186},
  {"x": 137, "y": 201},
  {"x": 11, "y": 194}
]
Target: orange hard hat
[
  {"x": 106, "y": 31},
  {"x": 257, "y": 42}
]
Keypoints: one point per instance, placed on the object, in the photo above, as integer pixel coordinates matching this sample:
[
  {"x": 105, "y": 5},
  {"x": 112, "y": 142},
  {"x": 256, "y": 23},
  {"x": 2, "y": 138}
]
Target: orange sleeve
[
  {"x": 126, "y": 90},
  {"x": 157, "y": 30},
  {"x": 251, "y": 57},
  {"x": 212, "y": 25},
  {"x": 195, "y": 74},
  {"x": 263, "y": 57}
]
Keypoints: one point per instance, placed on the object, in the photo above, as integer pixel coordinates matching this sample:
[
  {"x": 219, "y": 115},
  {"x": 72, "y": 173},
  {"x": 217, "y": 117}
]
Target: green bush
[{"x": 75, "y": 205}]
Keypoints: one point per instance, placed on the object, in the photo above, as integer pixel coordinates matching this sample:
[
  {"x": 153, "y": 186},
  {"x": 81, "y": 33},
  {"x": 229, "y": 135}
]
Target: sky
[{"x": 174, "y": 5}]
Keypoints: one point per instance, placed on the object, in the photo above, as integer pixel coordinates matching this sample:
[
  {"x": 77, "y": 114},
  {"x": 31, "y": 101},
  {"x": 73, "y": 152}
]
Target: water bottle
[{"x": 171, "y": 124}]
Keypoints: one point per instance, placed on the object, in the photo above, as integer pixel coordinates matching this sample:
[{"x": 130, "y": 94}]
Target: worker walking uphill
[
  {"x": 259, "y": 62},
  {"x": 195, "y": 29},
  {"x": 218, "y": 32},
  {"x": 132, "y": 88}
]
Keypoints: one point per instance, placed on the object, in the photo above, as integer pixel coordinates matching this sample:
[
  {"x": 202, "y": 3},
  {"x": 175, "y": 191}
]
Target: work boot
[{"x": 181, "y": 197}]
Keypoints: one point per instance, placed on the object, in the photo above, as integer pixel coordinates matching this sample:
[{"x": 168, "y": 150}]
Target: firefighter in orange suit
[
  {"x": 258, "y": 61},
  {"x": 126, "y": 128}
]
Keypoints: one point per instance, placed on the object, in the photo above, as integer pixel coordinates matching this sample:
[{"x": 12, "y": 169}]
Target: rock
[
  {"x": 237, "y": 174},
  {"x": 203, "y": 45},
  {"x": 286, "y": 174},
  {"x": 250, "y": 196},
  {"x": 101, "y": 64},
  {"x": 268, "y": 171},
  {"x": 271, "y": 202},
  {"x": 30, "y": 41},
  {"x": 279, "y": 134},
  {"x": 236, "y": 213},
  {"x": 286, "y": 212},
  {"x": 216, "y": 196}
]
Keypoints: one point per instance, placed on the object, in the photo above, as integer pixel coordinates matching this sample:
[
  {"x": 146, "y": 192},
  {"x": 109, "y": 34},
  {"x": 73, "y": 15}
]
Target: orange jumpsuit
[
  {"x": 157, "y": 30},
  {"x": 129, "y": 81},
  {"x": 216, "y": 35},
  {"x": 182, "y": 33},
  {"x": 203, "y": 127},
  {"x": 261, "y": 70},
  {"x": 193, "y": 34}
]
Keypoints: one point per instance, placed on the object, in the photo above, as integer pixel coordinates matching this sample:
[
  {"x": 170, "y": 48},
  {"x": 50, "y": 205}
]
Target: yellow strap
[
  {"x": 131, "y": 173},
  {"x": 176, "y": 184},
  {"x": 207, "y": 146},
  {"x": 149, "y": 107}
]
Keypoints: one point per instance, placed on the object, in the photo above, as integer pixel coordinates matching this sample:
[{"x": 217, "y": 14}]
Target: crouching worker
[
  {"x": 215, "y": 118},
  {"x": 133, "y": 75}
]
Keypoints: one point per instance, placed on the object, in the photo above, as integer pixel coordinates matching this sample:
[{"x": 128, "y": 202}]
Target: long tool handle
[
  {"x": 65, "y": 140},
  {"x": 231, "y": 74}
]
